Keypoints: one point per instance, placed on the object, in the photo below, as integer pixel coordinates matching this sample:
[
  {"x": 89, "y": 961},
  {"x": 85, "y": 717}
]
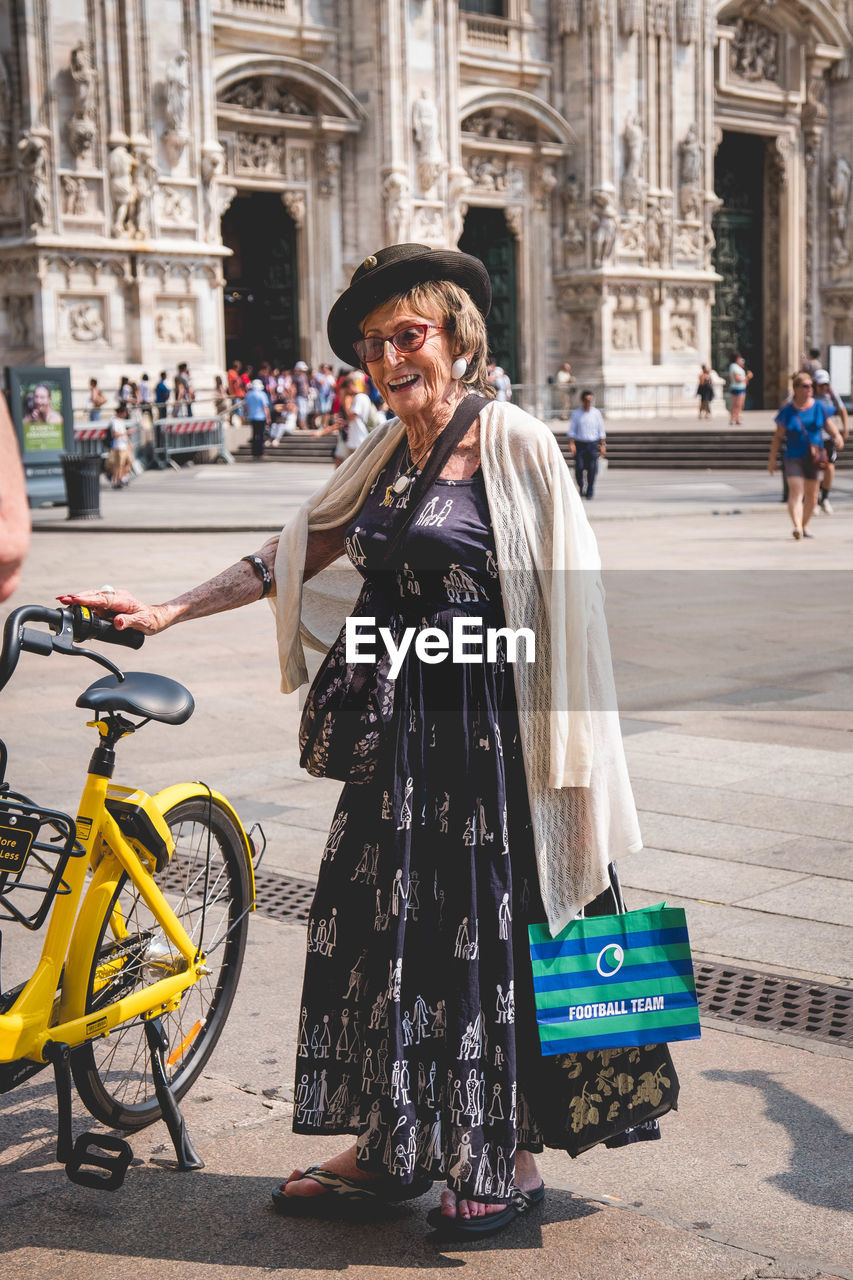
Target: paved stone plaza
[{"x": 735, "y": 676}]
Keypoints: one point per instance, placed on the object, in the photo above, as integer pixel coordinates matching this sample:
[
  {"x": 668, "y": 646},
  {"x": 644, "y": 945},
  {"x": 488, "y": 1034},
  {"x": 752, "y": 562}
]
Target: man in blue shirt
[
  {"x": 256, "y": 411},
  {"x": 161, "y": 395},
  {"x": 587, "y": 436}
]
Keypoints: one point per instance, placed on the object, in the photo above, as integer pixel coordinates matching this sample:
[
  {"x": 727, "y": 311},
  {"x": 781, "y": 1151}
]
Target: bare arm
[
  {"x": 237, "y": 585},
  {"x": 778, "y": 437},
  {"x": 14, "y": 508}
]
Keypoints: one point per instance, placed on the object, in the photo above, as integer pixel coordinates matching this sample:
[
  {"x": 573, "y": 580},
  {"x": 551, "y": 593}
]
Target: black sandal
[
  {"x": 344, "y": 1196},
  {"x": 520, "y": 1203}
]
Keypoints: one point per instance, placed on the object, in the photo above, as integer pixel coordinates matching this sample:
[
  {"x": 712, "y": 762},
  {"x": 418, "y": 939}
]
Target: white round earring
[{"x": 459, "y": 368}]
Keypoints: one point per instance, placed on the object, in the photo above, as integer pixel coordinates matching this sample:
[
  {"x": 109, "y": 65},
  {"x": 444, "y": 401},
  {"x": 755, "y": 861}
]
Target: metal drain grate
[
  {"x": 775, "y": 1002},
  {"x": 283, "y": 897},
  {"x": 725, "y": 991}
]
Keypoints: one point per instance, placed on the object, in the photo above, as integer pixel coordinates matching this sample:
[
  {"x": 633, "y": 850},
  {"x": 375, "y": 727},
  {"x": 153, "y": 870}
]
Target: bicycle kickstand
[
  {"x": 157, "y": 1039},
  {"x": 97, "y": 1160}
]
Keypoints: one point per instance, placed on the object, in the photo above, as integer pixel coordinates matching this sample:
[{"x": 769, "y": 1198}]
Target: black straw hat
[{"x": 393, "y": 270}]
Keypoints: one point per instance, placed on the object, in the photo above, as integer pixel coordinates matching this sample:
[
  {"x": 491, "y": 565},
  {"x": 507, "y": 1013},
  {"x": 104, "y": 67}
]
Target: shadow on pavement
[
  {"x": 226, "y": 1219},
  {"x": 819, "y": 1172}
]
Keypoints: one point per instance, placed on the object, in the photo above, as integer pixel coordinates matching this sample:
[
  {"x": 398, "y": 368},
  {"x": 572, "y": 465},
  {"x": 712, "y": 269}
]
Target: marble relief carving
[
  {"x": 490, "y": 124},
  {"x": 297, "y": 163},
  {"x": 81, "y": 319},
  {"x": 570, "y": 17},
  {"x": 176, "y": 206},
  {"x": 265, "y": 93},
  {"x": 688, "y": 16},
  {"x": 428, "y": 224},
  {"x": 755, "y": 51},
  {"x": 81, "y": 127},
  {"x": 632, "y": 238},
  {"x": 683, "y": 332},
  {"x": 544, "y": 182},
  {"x": 74, "y": 195},
  {"x": 659, "y": 17},
  {"x": 259, "y": 153},
  {"x": 625, "y": 331},
  {"x": 175, "y": 321},
  {"x": 294, "y": 203},
  {"x": 488, "y": 172},
  {"x": 33, "y": 161},
  {"x": 514, "y": 215}
]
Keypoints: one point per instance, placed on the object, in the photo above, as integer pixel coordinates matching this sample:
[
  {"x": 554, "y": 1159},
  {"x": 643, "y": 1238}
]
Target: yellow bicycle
[{"x": 146, "y": 899}]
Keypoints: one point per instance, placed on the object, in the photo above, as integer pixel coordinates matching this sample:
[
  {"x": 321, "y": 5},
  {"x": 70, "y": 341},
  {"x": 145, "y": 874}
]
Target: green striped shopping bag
[{"x": 607, "y": 982}]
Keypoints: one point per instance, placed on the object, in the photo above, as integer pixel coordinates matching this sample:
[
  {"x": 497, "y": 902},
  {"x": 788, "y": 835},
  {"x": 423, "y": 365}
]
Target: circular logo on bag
[{"x": 617, "y": 962}]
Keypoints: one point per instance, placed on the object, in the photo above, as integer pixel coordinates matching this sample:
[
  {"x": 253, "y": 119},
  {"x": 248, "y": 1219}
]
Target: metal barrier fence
[
  {"x": 91, "y": 438},
  {"x": 188, "y": 435}
]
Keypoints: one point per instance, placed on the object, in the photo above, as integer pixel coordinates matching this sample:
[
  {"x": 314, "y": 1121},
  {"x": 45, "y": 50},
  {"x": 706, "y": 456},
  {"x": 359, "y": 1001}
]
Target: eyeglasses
[{"x": 406, "y": 340}]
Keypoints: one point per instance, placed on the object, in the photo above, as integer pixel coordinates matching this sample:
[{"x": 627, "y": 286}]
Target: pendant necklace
[{"x": 403, "y": 479}]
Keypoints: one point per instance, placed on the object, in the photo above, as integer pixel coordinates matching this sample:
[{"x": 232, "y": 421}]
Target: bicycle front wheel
[{"x": 207, "y": 886}]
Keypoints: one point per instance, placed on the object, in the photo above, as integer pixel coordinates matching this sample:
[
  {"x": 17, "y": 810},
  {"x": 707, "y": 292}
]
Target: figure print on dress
[
  {"x": 336, "y": 835},
  {"x": 471, "y": 1044},
  {"x": 382, "y": 919},
  {"x": 367, "y": 866},
  {"x": 386, "y": 814},
  {"x": 379, "y": 1013},
  {"x": 342, "y": 1044},
  {"x": 399, "y": 892},
  {"x": 302, "y": 1049},
  {"x": 483, "y": 1183},
  {"x": 504, "y": 918},
  {"x": 406, "y": 809},
  {"x": 496, "y": 1111},
  {"x": 462, "y": 940},
  {"x": 461, "y": 1167},
  {"x": 461, "y": 588},
  {"x": 354, "y": 548},
  {"x": 486, "y": 836},
  {"x": 357, "y": 978},
  {"x": 439, "y": 1019},
  {"x": 408, "y": 582},
  {"x": 431, "y": 516},
  {"x": 442, "y": 809},
  {"x": 474, "y": 1097}
]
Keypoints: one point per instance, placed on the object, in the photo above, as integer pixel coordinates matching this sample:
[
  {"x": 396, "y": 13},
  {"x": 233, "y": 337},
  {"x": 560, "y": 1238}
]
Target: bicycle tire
[{"x": 112, "y": 1074}]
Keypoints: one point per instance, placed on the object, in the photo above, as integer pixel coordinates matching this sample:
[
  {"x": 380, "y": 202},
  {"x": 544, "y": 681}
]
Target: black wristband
[{"x": 263, "y": 573}]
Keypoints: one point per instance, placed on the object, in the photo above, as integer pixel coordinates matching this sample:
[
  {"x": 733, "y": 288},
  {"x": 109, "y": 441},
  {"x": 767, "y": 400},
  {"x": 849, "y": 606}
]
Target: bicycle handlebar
[{"x": 67, "y": 625}]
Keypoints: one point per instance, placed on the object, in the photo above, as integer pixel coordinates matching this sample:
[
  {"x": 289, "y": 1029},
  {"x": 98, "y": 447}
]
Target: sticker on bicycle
[{"x": 17, "y": 834}]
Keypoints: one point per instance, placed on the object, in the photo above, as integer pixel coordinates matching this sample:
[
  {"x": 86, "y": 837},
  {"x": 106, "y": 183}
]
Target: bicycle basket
[{"x": 35, "y": 845}]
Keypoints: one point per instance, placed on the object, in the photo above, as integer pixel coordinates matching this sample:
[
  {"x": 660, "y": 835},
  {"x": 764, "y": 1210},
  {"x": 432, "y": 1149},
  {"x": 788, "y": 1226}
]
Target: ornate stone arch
[
  {"x": 809, "y": 19},
  {"x": 530, "y": 114},
  {"x": 321, "y": 93}
]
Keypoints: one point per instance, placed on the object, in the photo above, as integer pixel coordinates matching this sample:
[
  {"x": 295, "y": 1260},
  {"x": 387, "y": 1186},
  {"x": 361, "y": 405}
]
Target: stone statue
[
  {"x": 122, "y": 190},
  {"x": 81, "y": 126},
  {"x": 145, "y": 183},
  {"x": 178, "y": 92},
  {"x": 755, "y": 51},
  {"x": 176, "y": 137},
  {"x": 75, "y": 195},
  {"x": 212, "y": 164},
  {"x": 395, "y": 192},
  {"x": 839, "y": 201},
  {"x": 427, "y": 141},
  {"x": 32, "y": 158},
  {"x": 603, "y": 225},
  {"x": 5, "y": 114},
  {"x": 690, "y": 160},
  {"x": 635, "y": 146}
]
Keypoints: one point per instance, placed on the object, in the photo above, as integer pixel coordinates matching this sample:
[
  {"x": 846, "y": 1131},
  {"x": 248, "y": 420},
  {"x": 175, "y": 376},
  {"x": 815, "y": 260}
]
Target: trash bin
[{"x": 82, "y": 485}]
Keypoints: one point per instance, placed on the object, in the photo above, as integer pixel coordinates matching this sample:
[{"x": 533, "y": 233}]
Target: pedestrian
[
  {"x": 739, "y": 379},
  {"x": 811, "y": 363},
  {"x": 705, "y": 392},
  {"x": 351, "y": 422},
  {"x": 256, "y": 410},
  {"x": 800, "y": 423},
  {"x": 499, "y": 379},
  {"x": 125, "y": 390},
  {"x": 96, "y": 401},
  {"x": 236, "y": 390},
  {"x": 587, "y": 443},
  {"x": 119, "y": 463},
  {"x": 475, "y": 808},
  {"x": 302, "y": 384},
  {"x": 565, "y": 382},
  {"x": 824, "y": 393},
  {"x": 161, "y": 395},
  {"x": 324, "y": 385},
  {"x": 184, "y": 393},
  {"x": 221, "y": 401}
]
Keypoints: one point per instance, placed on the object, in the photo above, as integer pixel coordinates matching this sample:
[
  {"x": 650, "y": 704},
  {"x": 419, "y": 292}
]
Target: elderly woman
[
  {"x": 482, "y": 794},
  {"x": 800, "y": 423}
]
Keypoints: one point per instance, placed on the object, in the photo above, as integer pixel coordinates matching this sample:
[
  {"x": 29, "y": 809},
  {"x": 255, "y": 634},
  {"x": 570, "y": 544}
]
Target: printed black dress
[{"x": 417, "y": 1029}]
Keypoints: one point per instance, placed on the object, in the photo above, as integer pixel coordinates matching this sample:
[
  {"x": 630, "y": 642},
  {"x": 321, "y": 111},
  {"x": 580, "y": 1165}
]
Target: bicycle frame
[{"x": 37, "y": 1016}]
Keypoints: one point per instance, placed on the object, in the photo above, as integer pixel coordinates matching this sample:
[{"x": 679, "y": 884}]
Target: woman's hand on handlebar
[{"x": 124, "y": 610}]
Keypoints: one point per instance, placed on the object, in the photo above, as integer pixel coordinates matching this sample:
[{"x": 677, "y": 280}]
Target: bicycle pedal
[{"x": 108, "y": 1158}]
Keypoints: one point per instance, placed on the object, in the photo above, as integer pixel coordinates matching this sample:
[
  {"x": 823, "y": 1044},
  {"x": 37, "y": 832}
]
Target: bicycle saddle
[{"x": 141, "y": 694}]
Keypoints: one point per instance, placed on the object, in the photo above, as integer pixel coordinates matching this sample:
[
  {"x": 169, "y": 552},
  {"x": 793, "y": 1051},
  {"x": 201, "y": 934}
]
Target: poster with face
[{"x": 41, "y": 408}]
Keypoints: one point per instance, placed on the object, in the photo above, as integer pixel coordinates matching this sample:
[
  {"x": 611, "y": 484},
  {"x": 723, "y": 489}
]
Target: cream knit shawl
[{"x": 581, "y": 803}]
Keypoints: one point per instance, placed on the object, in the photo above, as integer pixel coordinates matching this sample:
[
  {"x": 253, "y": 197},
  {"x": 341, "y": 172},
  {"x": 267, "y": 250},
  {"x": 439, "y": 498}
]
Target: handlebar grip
[{"x": 88, "y": 626}]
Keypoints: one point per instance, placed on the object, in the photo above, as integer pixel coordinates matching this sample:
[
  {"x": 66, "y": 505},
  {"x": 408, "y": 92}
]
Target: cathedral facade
[{"x": 651, "y": 183}]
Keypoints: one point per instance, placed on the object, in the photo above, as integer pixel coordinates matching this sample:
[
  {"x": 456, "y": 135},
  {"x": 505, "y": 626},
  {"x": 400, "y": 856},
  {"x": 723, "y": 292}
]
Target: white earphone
[{"x": 459, "y": 368}]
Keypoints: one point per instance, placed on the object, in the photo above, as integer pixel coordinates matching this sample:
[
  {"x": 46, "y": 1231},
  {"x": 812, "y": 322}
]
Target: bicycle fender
[{"x": 181, "y": 791}]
